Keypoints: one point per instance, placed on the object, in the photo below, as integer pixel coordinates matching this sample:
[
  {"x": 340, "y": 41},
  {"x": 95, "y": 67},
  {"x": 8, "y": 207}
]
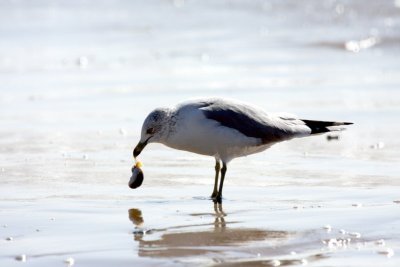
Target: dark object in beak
[
  {"x": 137, "y": 177},
  {"x": 138, "y": 149}
]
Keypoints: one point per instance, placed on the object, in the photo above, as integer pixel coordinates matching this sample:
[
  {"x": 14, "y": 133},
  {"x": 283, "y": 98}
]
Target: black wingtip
[
  {"x": 342, "y": 123},
  {"x": 323, "y": 126}
]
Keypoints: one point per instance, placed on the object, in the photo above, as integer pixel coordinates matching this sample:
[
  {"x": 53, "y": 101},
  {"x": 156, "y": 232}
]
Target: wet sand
[
  {"x": 78, "y": 80},
  {"x": 253, "y": 226}
]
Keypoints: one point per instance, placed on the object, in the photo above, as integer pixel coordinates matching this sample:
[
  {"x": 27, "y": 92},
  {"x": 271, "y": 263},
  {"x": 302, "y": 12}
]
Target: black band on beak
[{"x": 138, "y": 149}]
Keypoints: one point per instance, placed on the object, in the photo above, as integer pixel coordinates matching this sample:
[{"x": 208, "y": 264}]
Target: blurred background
[{"x": 79, "y": 77}]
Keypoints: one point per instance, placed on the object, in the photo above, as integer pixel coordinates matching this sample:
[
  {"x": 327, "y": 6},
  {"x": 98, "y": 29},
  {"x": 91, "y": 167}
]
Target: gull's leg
[
  {"x": 221, "y": 183},
  {"x": 217, "y": 169}
]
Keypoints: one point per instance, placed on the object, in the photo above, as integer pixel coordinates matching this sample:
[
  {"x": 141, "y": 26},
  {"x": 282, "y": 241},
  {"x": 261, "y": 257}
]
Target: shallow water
[
  {"x": 168, "y": 226},
  {"x": 78, "y": 80}
]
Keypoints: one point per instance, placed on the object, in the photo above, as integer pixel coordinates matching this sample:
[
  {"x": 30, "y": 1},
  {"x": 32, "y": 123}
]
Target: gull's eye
[{"x": 150, "y": 131}]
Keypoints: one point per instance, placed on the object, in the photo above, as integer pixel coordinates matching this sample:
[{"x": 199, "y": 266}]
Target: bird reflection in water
[
  {"x": 199, "y": 239},
  {"x": 135, "y": 215}
]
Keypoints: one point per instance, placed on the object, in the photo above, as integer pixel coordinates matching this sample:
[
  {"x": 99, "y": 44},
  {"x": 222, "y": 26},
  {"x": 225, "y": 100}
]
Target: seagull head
[{"x": 154, "y": 130}]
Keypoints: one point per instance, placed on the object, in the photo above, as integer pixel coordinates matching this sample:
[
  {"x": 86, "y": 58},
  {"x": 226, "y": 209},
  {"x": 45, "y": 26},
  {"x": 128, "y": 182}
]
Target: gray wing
[{"x": 253, "y": 122}]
